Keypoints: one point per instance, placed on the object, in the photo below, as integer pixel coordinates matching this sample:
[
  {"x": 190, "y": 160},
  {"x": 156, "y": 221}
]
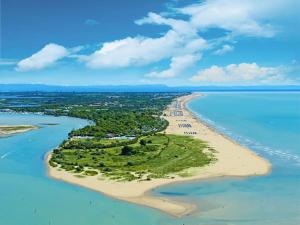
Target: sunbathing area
[
  {"x": 190, "y": 133},
  {"x": 178, "y": 105},
  {"x": 176, "y": 113},
  {"x": 185, "y": 125}
]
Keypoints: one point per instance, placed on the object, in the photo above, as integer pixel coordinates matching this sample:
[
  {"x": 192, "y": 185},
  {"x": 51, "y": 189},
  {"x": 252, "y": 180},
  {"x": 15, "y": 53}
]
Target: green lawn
[{"x": 154, "y": 156}]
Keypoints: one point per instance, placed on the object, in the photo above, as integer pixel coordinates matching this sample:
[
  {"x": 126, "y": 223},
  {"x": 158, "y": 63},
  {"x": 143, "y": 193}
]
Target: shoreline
[
  {"x": 233, "y": 160},
  {"x": 214, "y": 129},
  {"x": 7, "y": 130}
]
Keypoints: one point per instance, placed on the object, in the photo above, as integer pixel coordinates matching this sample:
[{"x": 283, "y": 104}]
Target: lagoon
[{"x": 268, "y": 123}]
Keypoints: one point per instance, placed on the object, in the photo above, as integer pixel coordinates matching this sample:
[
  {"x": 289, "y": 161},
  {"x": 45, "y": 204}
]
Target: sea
[{"x": 266, "y": 122}]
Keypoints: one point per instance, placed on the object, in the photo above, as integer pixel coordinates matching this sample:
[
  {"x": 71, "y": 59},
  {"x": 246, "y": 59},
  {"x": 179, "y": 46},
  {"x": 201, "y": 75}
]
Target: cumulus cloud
[
  {"x": 244, "y": 73},
  {"x": 223, "y": 50},
  {"x": 181, "y": 44},
  {"x": 237, "y": 17},
  {"x": 247, "y": 17},
  {"x": 142, "y": 50},
  {"x": 178, "y": 41},
  {"x": 47, "y": 56},
  {"x": 177, "y": 66},
  {"x": 180, "y": 26}
]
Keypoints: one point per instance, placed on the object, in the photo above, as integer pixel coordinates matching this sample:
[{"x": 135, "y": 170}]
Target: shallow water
[
  {"x": 29, "y": 197},
  {"x": 267, "y": 123}
]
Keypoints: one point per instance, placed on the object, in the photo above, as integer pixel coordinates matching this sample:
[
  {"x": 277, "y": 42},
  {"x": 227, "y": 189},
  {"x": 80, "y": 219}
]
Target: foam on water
[
  {"x": 251, "y": 144},
  {"x": 268, "y": 124},
  {"x": 5, "y": 155}
]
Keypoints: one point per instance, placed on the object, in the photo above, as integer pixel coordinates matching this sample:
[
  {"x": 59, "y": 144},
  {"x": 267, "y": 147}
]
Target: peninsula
[{"x": 187, "y": 149}]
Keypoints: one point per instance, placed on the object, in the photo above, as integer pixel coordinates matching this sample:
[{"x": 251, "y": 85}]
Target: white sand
[{"x": 232, "y": 160}]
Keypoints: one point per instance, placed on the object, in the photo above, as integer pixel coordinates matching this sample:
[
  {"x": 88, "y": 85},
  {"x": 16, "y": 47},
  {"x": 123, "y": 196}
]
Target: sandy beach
[
  {"x": 6, "y": 130},
  {"x": 232, "y": 160}
]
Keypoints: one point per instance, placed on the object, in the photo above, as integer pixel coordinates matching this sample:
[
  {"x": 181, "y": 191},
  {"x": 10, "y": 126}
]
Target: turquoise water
[
  {"x": 268, "y": 123},
  {"x": 29, "y": 197}
]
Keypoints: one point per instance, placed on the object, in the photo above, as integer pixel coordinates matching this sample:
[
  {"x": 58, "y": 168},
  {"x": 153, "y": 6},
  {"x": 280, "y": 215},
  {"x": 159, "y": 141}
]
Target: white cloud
[
  {"x": 47, "y": 56},
  {"x": 132, "y": 51},
  {"x": 136, "y": 51},
  {"x": 177, "y": 66},
  {"x": 180, "y": 26},
  {"x": 247, "y": 17},
  {"x": 77, "y": 49},
  {"x": 223, "y": 50},
  {"x": 181, "y": 44},
  {"x": 244, "y": 73}
]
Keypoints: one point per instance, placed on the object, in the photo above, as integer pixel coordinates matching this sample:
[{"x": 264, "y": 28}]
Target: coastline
[{"x": 233, "y": 160}]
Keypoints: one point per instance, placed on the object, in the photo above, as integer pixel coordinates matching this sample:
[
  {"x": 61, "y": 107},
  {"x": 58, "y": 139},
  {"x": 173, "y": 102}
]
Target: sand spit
[{"x": 232, "y": 160}]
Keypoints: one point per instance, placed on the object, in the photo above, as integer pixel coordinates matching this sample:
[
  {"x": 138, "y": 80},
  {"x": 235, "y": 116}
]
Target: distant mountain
[
  {"x": 57, "y": 88},
  {"x": 138, "y": 88}
]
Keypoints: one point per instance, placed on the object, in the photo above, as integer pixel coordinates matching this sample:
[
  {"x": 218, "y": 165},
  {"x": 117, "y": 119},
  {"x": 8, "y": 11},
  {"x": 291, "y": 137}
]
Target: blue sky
[{"x": 110, "y": 42}]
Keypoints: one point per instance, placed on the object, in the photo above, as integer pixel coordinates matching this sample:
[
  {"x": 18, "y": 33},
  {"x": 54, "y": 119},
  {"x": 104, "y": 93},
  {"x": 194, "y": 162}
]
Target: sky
[{"x": 133, "y": 42}]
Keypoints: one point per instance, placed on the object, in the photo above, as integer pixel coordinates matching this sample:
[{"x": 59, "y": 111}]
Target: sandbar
[{"x": 6, "y": 130}]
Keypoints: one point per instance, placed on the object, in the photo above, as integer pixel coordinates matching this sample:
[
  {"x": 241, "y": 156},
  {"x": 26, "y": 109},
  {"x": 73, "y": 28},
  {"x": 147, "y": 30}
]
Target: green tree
[
  {"x": 143, "y": 142},
  {"x": 127, "y": 150}
]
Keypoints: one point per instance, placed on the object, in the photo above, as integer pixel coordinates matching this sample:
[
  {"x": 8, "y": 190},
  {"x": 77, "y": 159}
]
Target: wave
[
  {"x": 5, "y": 155},
  {"x": 258, "y": 147}
]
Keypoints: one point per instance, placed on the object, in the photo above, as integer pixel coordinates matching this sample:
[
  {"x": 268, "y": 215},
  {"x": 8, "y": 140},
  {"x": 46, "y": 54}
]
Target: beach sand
[
  {"x": 232, "y": 160},
  {"x": 6, "y": 130}
]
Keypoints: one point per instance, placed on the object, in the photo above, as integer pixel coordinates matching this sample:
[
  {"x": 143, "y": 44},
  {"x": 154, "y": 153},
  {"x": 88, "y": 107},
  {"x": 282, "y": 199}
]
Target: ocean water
[{"x": 268, "y": 123}]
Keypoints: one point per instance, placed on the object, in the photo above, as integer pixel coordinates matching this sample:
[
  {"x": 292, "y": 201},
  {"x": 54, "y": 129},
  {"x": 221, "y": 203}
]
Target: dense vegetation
[
  {"x": 123, "y": 140},
  {"x": 154, "y": 156},
  {"x": 119, "y": 123},
  {"x": 113, "y": 114}
]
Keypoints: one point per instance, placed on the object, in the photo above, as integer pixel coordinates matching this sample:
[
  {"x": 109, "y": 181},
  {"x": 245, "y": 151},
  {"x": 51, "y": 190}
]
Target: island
[
  {"x": 6, "y": 130},
  {"x": 137, "y": 142}
]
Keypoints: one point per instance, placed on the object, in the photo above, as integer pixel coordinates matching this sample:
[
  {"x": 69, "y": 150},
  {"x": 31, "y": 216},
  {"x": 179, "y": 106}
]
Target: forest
[
  {"x": 125, "y": 138},
  {"x": 111, "y": 114}
]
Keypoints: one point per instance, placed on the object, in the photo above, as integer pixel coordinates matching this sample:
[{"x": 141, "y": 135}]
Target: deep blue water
[{"x": 268, "y": 123}]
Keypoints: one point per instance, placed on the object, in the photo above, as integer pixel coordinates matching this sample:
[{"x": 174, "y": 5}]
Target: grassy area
[
  {"x": 94, "y": 143},
  {"x": 100, "y": 147},
  {"x": 154, "y": 156}
]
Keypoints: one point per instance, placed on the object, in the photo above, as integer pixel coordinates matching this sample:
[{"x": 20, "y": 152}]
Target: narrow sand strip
[
  {"x": 6, "y": 130},
  {"x": 232, "y": 160}
]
